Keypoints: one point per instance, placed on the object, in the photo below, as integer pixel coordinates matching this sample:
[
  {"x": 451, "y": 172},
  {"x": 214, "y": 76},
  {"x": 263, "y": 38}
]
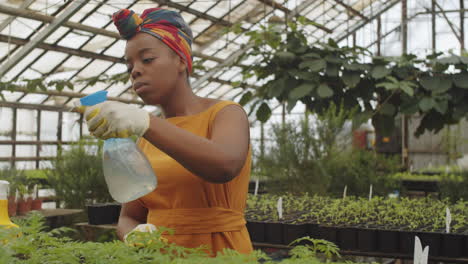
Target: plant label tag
[
  {"x": 256, "y": 187},
  {"x": 279, "y": 206},
  {"x": 344, "y": 191},
  {"x": 425, "y": 256},
  {"x": 448, "y": 219},
  {"x": 417, "y": 250},
  {"x": 16, "y": 195},
  {"x": 34, "y": 195},
  {"x": 370, "y": 192}
]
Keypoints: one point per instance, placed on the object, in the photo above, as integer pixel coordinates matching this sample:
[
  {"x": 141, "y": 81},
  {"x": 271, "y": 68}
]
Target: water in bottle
[{"x": 127, "y": 171}]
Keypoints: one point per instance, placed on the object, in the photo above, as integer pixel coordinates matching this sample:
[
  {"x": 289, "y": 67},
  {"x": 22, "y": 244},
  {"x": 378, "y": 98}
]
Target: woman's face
[{"x": 154, "y": 68}]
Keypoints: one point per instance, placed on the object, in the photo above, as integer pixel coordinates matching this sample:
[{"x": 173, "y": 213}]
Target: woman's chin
[{"x": 149, "y": 100}]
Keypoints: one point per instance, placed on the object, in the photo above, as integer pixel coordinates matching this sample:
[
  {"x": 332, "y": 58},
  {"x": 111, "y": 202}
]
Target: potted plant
[
  {"x": 12, "y": 205},
  {"x": 36, "y": 200},
  {"x": 24, "y": 201}
]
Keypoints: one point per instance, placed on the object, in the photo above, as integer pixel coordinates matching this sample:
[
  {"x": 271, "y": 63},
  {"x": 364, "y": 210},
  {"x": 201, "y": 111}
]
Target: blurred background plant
[
  {"x": 315, "y": 155},
  {"x": 77, "y": 176}
]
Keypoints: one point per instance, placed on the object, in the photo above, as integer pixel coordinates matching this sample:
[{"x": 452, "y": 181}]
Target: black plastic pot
[
  {"x": 274, "y": 233},
  {"x": 452, "y": 245},
  {"x": 329, "y": 233},
  {"x": 256, "y": 231},
  {"x": 465, "y": 250},
  {"x": 103, "y": 214},
  {"x": 407, "y": 242},
  {"x": 367, "y": 239},
  {"x": 348, "y": 238},
  {"x": 387, "y": 241},
  {"x": 432, "y": 240},
  {"x": 292, "y": 232},
  {"x": 313, "y": 230}
]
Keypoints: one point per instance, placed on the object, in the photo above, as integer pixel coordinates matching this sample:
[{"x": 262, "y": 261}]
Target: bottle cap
[
  {"x": 4, "y": 190},
  {"x": 94, "y": 98}
]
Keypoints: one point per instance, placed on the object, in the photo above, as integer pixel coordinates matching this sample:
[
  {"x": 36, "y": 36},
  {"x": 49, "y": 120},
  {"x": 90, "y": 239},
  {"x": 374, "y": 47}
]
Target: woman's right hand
[{"x": 132, "y": 214}]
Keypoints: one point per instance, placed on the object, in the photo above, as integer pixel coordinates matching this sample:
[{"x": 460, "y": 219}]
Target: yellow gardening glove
[
  {"x": 134, "y": 238},
  {"x": 112, "y": 119}
]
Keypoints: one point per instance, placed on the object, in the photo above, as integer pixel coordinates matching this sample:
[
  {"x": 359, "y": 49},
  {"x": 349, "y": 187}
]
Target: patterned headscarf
[{"x": 168, "y": 26}]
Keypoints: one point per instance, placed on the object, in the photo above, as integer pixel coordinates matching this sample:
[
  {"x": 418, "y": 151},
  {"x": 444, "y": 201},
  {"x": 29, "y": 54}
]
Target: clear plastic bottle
[{"x": 127, "y": 171}]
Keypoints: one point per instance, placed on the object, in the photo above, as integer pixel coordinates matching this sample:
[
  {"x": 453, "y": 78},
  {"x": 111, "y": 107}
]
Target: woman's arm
[
  {"x": 216, "y": 160},
  {"x": 131, "y": 215}
]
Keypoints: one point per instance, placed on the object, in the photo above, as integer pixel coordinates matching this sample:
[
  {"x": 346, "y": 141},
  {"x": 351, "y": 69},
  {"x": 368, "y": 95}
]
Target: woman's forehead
[{"x": 142, "y": 42}]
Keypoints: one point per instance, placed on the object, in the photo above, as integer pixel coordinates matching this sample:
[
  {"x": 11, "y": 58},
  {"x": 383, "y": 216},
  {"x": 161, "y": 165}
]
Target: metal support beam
[
  {"x": 233, "y": 57},
  {"x": 70, "y": 51},
  {"x": 7, "y": 21},
  {"x": 433, "y": 25},
  {"x": 32, "y": 107},
  {"x": 289, "y": 13},
  {"x": 276, "y": 5},
  {"x": 379, "y": 36},
  {"x": 352, "y": 10},
  {"x": 452, "y": 27},
  {"x": 404, "y": 50},
  {"x": 38, "y": 133},
  {"x": 78, "y": 95},
  {"x": 389, "y": 5},
  {"x": 76, "y": 26},
  {"x": 445, "y": 11},
  {"x": 13, "y": 134},
  {"x": 193, "y": 12},
  {"x": 462, "y": 26},
  {"x": 404, "y": 26},
  {"x": 49, "y": 19},
  {"x": 42, "y": 35}
]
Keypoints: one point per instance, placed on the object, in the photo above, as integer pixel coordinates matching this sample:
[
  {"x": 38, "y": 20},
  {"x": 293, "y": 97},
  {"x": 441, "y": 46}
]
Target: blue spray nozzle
[{"x": 94, "y": 98}]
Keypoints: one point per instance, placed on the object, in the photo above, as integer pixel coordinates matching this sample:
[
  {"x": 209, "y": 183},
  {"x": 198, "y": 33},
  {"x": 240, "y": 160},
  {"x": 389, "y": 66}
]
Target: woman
[{"x": 200, "y": 152}]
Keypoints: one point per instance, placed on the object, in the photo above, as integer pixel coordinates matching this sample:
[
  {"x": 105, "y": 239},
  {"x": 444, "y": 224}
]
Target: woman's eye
[{"x": 148, "y": 60}]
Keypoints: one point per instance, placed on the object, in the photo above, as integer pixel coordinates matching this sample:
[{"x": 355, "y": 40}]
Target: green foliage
[
  {"x": 453, "y": 185},
  {"x": 403, "y": 213},
  {"x": 316, "y": 246},
  {"x": 358, "y": 169},
  {"x": 31, "y": 244},
  {"x": 316, "y": 74},
  {"x": 17, "y": 179},
  {"x": 77, "y": 177},
  {"x": 314, "y": 156}
]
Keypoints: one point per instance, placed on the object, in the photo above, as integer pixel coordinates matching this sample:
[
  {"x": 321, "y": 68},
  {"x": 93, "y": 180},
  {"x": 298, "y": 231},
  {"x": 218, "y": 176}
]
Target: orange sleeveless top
[{"x": 200, "y": 212}]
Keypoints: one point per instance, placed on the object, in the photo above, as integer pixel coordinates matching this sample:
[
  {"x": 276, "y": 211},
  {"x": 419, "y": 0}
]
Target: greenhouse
[{"x": 234, "y": 131}]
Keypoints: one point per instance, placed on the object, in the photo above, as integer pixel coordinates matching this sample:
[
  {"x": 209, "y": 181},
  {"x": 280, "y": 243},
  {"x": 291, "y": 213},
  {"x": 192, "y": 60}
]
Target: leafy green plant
[
  {"x": 77, "y": 177},
  {"x": 325, "y": 247},
  {"x": 31, "y": 244},
  {"x": 17, "y": 178},
  {"x": 292, "y": 69},
  {"x": 314, "y": 156},
  {"x": 403, "y": 213}
]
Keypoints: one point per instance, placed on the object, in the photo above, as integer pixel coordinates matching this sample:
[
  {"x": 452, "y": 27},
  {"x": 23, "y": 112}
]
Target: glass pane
[{"x": 26, "y": 124}]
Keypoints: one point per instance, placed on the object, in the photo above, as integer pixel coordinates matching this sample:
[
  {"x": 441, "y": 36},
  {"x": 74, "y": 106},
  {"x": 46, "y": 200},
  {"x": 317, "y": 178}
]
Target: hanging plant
[{"x": 291, "y": 70}]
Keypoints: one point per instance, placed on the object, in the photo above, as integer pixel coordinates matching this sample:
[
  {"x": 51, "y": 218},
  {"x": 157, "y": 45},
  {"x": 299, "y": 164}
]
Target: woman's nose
[{"x": 136, "y": 71}]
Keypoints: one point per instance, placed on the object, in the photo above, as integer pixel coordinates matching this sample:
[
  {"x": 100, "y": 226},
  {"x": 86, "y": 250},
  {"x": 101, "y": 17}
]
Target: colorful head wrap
[{"x": 168, "y": 26}]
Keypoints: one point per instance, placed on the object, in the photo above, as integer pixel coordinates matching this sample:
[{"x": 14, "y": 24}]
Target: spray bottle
[
  {"x": 127, "y": 171},
  {"x": 4, "y": 218}
]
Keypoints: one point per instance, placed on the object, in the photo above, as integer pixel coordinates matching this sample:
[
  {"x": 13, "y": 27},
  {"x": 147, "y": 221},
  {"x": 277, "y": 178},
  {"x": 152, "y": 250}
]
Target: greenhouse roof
[{"x": 75, "y": 40}]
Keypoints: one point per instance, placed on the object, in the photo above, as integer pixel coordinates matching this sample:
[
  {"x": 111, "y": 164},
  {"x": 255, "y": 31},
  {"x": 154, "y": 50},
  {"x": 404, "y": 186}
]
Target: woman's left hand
[{"x": 112, "y": 119}]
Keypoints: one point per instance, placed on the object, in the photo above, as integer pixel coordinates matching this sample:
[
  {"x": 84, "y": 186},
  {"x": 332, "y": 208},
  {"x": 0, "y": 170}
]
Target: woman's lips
[{"x": 138, "y": 87}]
